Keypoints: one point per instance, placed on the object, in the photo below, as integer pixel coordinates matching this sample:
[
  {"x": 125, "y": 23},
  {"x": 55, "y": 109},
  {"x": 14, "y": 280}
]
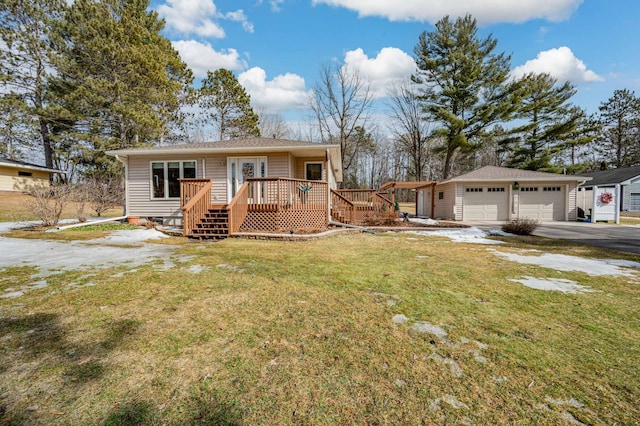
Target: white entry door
[{"x": 239, "y": 169}]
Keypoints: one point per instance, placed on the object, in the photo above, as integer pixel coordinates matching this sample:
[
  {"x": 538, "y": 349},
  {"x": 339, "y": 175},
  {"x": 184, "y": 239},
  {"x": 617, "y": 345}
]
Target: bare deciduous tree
[
  {"x": 273, "y": 125},
  {"x": 341, "y": 102},
  {"x": 410, "y": 128}
]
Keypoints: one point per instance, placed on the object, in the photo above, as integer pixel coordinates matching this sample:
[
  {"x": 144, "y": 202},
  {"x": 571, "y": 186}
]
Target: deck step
[{"x": 214, "y": 225}]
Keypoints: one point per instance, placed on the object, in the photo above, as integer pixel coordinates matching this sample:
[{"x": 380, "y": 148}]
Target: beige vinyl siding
[
  {"x": 10, "y": 181},
  {"x": 278, "y": 165},
  {"x": 139, "y": 198},
  {"x": 572, "y": 201},
  {"x": 216, "y": 169},
  {"x": 445, "y": 208}
]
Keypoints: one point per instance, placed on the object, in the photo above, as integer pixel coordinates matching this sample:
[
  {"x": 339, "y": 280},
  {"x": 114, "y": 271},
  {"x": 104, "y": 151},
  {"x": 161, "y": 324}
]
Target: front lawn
[{"x": 362, "y": 329}]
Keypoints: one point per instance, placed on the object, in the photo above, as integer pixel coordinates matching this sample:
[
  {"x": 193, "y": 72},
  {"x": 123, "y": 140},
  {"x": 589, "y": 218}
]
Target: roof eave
[
  {"x": 124, "y": 153},
  {"x": 37, "y": 168}
]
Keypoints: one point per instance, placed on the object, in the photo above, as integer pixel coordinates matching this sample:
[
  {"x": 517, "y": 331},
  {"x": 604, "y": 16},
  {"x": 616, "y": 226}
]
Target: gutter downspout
[{"x": 126, "y": 184}]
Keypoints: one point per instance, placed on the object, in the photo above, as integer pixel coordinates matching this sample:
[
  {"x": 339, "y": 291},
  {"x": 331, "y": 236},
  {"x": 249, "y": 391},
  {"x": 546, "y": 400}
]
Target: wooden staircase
[{"x": 214, "y": 225}]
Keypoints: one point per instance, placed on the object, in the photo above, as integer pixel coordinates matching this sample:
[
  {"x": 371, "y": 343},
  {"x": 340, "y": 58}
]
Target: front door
[{"x": 239, "y": 169}]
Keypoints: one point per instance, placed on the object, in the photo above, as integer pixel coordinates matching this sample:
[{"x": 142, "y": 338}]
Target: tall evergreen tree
[
  {"x": 464, "y": 83},
  {"x": 228, "y": 105},
  {"x": 120, "y": 79},
  {"x": 26, "y": 65},
  {"x": 551, "y": 124},
  {"x": 620, "y": 118}
]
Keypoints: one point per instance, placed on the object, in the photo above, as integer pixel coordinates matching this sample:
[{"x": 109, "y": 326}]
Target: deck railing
[
  {"x": 284, "y": 204},
  {"x": 367, "y": 203},
  {"x": 342, "y": 209},
  {"x": 195, "y": 201},
  {"x": 238, "y": 208}
]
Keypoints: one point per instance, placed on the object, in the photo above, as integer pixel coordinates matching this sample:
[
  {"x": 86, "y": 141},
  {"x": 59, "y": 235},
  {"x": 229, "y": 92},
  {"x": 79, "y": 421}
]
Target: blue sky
[{"x": 276, "y": 47}]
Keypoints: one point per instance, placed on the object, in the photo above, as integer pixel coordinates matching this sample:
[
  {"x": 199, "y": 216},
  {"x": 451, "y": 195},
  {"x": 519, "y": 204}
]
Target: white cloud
[
  {"x": 199, "y": 17},
  {"x": 561, "y": 63},
  {"x": 388, "y": 67},
  {"x": 485, "y": 11},
  {"x": 201, "y": 57},
  {"x": 286, "y": 91}
]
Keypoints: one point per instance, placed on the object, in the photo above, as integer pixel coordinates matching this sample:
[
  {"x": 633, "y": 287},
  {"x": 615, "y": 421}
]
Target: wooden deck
[{"x": 276, "y": 205}]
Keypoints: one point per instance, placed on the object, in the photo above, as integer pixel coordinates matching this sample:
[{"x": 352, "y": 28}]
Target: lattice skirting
[{"x": 285, "y": 220}]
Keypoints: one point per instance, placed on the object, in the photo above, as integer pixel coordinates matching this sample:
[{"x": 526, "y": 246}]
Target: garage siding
[{"x": 445, "y": 207}]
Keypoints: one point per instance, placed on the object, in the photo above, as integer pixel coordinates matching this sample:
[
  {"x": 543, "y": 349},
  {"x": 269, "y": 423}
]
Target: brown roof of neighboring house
[
  {"x": 493, "y": 173},
  {"x": 17, "y": 164}
]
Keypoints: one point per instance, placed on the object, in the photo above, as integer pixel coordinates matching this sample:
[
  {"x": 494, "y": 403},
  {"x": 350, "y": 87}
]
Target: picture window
[{"x": 166, "y": 175}]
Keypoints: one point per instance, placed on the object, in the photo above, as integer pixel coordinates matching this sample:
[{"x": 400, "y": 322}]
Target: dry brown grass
[
  {"x": 14, "y": 207},
  {"x": 301, "y": 333}
]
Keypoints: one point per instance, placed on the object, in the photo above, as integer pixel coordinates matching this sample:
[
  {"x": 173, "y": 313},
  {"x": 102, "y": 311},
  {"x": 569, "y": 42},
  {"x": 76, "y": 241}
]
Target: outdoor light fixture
[{"x": 516, "y": 186}]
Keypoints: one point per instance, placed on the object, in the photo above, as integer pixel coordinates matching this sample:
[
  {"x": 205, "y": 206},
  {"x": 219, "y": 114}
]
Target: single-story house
[
  {"x": 628, "y": 180},
  {"x": 241, "y": 185},
  {"x": 501, "y": 194},
  {"x": 19, "y": 176}
]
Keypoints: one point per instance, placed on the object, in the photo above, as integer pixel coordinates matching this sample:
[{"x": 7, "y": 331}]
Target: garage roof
[{"x": 505, "y": 174}]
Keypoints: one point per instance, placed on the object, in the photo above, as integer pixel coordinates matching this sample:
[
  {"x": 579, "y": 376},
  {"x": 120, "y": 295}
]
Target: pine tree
[
  {"x": 26, "y": 66},
  {"x": 228, "y": 105},
  {"x": 121, "y": 81},
  {"x": 464, "y": 84},
  {"x": 551, "y": 124},
  {"x": 620, "y": 118}
]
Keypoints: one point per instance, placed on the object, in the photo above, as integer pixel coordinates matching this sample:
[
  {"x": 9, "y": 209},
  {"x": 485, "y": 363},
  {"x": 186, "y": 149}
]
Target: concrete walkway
[{"x": 616, "y": 237}]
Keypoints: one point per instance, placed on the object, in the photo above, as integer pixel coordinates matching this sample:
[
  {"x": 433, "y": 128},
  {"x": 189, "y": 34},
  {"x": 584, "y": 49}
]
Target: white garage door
[
  {"x": 542, "y": 202},
  {"x": 485, "y": 203}
]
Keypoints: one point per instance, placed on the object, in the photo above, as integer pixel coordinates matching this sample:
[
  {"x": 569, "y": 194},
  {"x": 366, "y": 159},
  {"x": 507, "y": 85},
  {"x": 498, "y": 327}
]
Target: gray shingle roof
[
  {"x": 493, "y": 173},
  {"x": 613, "y": 176}
]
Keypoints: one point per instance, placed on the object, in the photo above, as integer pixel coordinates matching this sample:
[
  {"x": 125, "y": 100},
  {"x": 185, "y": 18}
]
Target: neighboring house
[
  {"x": 244, "y": 184},
  {"x": 501, "y": 194},
  {"x": 19, "y": 176},
  {"x": 628, "y": 180}
]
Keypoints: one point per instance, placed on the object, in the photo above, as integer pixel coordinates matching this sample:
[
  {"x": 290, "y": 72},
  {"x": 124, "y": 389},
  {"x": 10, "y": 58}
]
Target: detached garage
[{"x": 501, "y": 194}]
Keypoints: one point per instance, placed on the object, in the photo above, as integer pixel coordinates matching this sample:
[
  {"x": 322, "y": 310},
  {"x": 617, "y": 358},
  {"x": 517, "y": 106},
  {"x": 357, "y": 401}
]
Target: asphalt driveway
[{"x": 616, "y": 237}]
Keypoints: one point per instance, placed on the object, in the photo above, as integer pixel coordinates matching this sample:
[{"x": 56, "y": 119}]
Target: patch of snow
[
  {"x": 465, "y": 235},
  {"x": 426, "y": 327},
  {"x": 196, "y": 269},
  {"x": 453, "y": 366},
  {"x": 231, "y": 268},
  {"x": 129, "y": 237},
  {"x": 553, "y": 284},
  {"x": 562, "y": 262},
  {"x": 52, "y": 257},
  {"x": 400, "y": 383},
  {"x": 11, "y": 295},
  {"x": 423, "y": 221},
  {"x": 449, "y": 399},
  {"x": 571, "y": 402},
  {"x": 400, "y": 319}
]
